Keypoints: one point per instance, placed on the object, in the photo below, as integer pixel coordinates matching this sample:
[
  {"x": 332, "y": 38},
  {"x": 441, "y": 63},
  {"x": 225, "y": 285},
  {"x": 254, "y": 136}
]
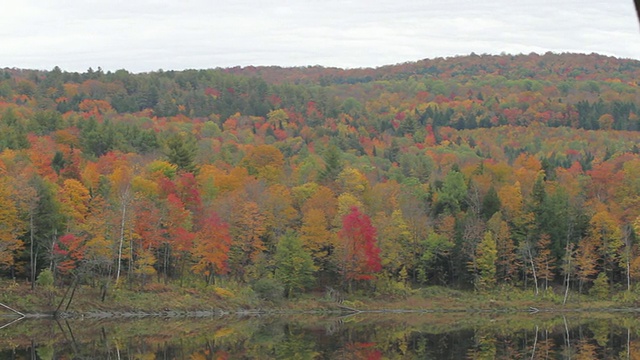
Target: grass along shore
[{"x": 230, "y": 297}]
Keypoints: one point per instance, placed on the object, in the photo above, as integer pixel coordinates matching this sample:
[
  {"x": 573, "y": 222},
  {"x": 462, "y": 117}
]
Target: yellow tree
[
  {"x": 486, "y": 256},
  {"x": 316, "y": 237},
  {"x": 277, "y": 118},
  {"x": 521, "y": 223},
  {"x": 323, "y": 199},
  {"x": 264, "y": 161},
  {"x": 99, "y": 231},
  {"x": 604, "y": 232},
  {"x": 507, "y": 260},
  {"x": 544, "y": 260},
  {"x": 527, "y": 169},
  {"x": 75, "y": 204},
  {"x": 11, "y": 228},
  {"x": 352, "y": 181},
  {"x": 247, "y": 229},
  {"x": 513, "y": 207},
  {"x": 121, "y": 188},
  {"x": 302, "y": 193},
  {"x": 346, "y": 201},
  {"x": 585, "y": 262},
  {"x": 278, "y": 210},
  {"x": 394, "y": 241}
]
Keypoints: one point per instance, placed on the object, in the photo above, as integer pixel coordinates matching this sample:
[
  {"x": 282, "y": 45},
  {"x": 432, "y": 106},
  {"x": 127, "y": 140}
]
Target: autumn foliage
[
  {"x": 359, "y": 251},
  {"x": 472, "y": 171}
]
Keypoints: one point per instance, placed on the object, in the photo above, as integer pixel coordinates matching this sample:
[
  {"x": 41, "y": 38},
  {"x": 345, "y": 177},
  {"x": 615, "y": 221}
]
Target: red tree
[
  {"x": 70, "y": 249},
  {"x": 211, "y": 249},
  {"x": 360, "y": 253}
]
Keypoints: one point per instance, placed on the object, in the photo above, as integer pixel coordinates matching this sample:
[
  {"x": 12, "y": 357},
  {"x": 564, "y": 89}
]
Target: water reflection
[{"x": 363, "y": 336}]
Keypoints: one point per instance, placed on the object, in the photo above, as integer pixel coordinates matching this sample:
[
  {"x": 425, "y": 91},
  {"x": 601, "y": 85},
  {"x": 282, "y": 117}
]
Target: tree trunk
[
  {"x": 568, "y": 250},
  {"x": 628, "y": 277},
  {"x": 53, "y": 244},
  {"x": 627, "y": 245},
  {"x": 166, "y": 261},
  {"x": 546, "y": 280},
  {"x": 122, "y": 221},
  {"x": 73, "y": 292},
  {"x": 535, "y": 342},
  {"x": 15, "y": 311},
  {"x": 533, "y": 269},
  {"x": 567, "y": 281},
  {"x": 31, "y": 254}
]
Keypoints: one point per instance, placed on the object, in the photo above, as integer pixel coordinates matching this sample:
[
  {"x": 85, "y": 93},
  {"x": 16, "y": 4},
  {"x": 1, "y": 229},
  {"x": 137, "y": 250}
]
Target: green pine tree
[
  {"x": 181, "y": 151},
  {"x": 294, "y": 265}
]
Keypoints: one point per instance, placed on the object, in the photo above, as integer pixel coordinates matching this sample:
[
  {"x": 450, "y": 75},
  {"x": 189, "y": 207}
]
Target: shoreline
[
  {"x": 220, "y": 313},
  {"x": 180, "y": 302}
]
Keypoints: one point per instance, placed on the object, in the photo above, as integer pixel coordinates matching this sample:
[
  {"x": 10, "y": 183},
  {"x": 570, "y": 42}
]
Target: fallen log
[{"x": 12, "y": 309}]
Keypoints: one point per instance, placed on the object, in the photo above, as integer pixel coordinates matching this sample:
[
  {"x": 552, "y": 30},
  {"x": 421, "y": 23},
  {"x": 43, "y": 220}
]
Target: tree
[
  {"x": 544, "y": 260},
  {"x": 70, "y": 249},
  {"x": 359, "y": 253},
  {"x": 11, "y": 228},
  {"x": 99, "y": 233},
  {"x": 322, "y": 199},
  {"x": 332, "y": 165},
  {"x": 316, "y": 237},
  {"x": 149, "y": 234},
  {"x": 181, "y": 151},
  {"x": 121, "y": 180},
  {"x": 27, "y": 200},
  {"x": 47, "y": 222},
  {"x": 600, "y": 289},
  {"x": 585, "y": 262},
  {"x": 606, "y": 236},
  {"x": 179, "y": 223},
  {"x": 352, "y": 181},
  {"x": 75, "y": 203},
  {"x": 486, "y": 256},
  {"x": 490, "y": 203},
  {"x": 97, "y": 139},
  {"x": 294, "y": 266},
  {"x": 394, "y": 240},
  {"x": 247, "y": 229},
  {"x": 278, "y": 210},
  {"x": 211, "y": 248},
  {"x": 506, "y": 261},
  {"x": 265, "y": 162},
  {"x": 453, "y": 192},
  {"x": 431, "y": 250}
]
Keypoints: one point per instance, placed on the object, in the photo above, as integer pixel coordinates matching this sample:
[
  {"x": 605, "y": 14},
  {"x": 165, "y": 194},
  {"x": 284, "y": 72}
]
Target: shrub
[
  {"x": 268, "y": 289},
  {"x": 45, "y": 279},
  {"x": 600, "y": 288},
  {"x": 389, "y": 287},
  {"x": 223, "y": 293},
  {"x": 157, "y": 288}
]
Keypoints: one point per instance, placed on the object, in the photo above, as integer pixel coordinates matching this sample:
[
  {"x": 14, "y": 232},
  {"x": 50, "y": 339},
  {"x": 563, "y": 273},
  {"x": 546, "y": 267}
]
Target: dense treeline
[{"x": 476, "y": 171}]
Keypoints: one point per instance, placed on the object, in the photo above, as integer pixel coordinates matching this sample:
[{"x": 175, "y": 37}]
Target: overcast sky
[{"x": 147, "y": 35}]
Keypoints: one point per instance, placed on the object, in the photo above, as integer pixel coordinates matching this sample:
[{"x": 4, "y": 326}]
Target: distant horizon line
[{"x": 242, "y": 67}]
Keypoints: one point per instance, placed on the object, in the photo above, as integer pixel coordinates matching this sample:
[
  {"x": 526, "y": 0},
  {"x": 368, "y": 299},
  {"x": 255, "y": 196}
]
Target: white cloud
[{"x": 145, "y": 35}]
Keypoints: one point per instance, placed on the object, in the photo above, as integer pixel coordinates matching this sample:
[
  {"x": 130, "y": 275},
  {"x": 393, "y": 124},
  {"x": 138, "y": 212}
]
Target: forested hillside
[{"x": 471, "y": 172}]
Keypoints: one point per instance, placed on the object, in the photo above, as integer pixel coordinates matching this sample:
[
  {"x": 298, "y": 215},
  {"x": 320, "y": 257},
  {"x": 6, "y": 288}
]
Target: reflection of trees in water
[{"x": 364, "y": 336}]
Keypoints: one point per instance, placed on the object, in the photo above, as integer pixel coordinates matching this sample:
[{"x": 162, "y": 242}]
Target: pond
[{"x": 303, "y": 336}]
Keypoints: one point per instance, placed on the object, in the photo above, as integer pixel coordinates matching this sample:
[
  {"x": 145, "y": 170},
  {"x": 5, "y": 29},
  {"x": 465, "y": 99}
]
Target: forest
[{"x": 472, "y": 172}]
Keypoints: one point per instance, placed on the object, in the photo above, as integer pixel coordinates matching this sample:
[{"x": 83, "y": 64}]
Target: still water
[{"x": 361, "y": 336}]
